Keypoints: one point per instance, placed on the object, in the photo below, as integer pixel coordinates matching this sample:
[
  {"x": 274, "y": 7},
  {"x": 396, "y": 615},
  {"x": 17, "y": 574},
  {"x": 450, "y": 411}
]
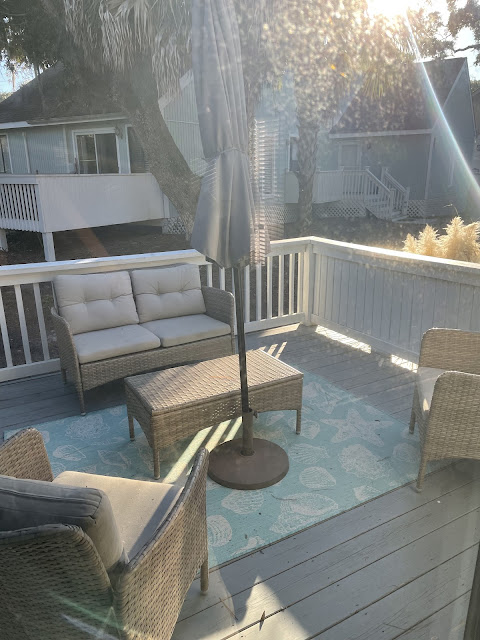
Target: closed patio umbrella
[{"x": 227, "y": 228}]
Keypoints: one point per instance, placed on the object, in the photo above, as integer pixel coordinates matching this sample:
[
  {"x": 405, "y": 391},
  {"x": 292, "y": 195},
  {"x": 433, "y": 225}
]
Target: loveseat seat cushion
[
  {"x": 175, "y": 331},
  {"x": 426, "y": 379},
  {"x": 139, "y": 506},
  {"x": 168, "y": 292},
  {"x": 33, "y": 503},
  {"x": 110, "y": 343},
  {"x": 94, "y": 301}
]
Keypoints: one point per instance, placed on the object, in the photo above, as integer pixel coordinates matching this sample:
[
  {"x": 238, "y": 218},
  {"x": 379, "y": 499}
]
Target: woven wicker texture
[
  {"x": 219, "y": 305},
  {"x": 452, "y": 427},
  {"x": 175, "y": 403},
  {"x": 54, "y": 586},
  {"x": 24, "y": 456}
]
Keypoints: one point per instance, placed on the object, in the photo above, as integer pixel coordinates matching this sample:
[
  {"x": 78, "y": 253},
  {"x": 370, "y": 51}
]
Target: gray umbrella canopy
[{"x": 226, "y": 227}]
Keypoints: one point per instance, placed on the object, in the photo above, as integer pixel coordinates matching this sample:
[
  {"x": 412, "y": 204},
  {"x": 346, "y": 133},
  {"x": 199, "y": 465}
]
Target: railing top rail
[
  {"x": 45, "y": 271},
  {"x": 8, "y": 178},
  {"x": 395, "y": 183},
  {"x": 452, "y": 270},
  {"x": 378, "y": 182}
]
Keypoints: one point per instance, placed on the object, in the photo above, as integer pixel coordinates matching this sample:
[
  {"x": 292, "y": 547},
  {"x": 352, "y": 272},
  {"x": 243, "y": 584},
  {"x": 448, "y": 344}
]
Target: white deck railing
[
  {"x": 387, "y": 299},
  {"x": 273, "y": 296},
  {"x": 20, "y": 203},
  {"x": 382, "y": 198},
  {"x": 401, "y": 193}
]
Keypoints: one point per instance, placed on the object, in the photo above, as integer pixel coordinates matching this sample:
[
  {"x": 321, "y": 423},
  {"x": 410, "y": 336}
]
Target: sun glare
[{"x": 389, "y": 8}]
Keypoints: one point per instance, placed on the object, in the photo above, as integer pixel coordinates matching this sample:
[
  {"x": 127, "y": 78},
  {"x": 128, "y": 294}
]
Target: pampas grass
[{"x": 460, "y": 242}]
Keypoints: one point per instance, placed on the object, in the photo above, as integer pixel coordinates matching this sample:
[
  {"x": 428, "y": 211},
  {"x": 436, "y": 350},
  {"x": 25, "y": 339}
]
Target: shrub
[{"x": 460, "y": 241}]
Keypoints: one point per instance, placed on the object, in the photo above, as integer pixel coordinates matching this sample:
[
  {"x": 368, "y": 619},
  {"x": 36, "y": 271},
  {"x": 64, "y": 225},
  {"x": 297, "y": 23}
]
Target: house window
[
  {"x": 97, "y": 153},
  {"x": 138, "y": 163},
  {"x": 349, "y": 156},
  {"x": 293, "y": 154},
  {"x": 4, "y": 155}
]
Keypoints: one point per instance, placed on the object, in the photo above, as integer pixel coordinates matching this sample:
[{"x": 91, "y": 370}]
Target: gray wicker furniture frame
[
  {"x": 54, "y": 585},
  {"x": 176, "y": 403},
  {"x": 219, "y": 305},
  {"x": 452, "y": 428}
]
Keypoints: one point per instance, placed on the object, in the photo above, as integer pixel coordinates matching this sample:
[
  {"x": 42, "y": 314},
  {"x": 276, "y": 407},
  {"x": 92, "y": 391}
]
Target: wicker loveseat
[
  {"x": 112, "y": 325},
  {"x": 446, "y": 399},
  {"x": 89, "y": 556}
]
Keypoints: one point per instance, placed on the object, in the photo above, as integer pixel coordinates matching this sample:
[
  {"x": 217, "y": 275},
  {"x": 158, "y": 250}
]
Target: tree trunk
[
  {"x": 307, "y": 164},
  {"x": 165, "y": 161}
]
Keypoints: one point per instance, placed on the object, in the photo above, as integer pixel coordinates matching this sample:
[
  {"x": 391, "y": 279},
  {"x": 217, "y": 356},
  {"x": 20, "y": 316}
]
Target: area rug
[{"x": 347, "y": 453}]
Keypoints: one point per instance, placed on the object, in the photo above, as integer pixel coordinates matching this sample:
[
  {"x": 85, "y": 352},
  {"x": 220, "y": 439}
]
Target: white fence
[{"x": 385, "y": 298}]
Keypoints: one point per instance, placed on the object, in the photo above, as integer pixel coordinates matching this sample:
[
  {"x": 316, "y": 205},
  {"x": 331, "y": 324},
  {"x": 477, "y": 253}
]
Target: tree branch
[{"x": 476, "y": 47}]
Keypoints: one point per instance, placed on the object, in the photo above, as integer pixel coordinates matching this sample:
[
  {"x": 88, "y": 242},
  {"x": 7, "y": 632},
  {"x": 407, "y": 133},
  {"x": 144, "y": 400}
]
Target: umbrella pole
[
  {"x": 247, "y": 413},
  {"x": 247, "y": 462}
]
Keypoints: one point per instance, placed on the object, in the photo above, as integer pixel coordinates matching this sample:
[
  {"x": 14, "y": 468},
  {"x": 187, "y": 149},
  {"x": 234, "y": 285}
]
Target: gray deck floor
[{"x": 399, "y": 566}]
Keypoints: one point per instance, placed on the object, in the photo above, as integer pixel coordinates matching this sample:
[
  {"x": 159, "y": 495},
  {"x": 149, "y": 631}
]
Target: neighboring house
[
  {"x": 392, "y": 157},
  {"x": 417, "y": 129}
]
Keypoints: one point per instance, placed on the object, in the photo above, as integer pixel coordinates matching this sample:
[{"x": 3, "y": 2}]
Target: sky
[{"x": 464, "y": 39}]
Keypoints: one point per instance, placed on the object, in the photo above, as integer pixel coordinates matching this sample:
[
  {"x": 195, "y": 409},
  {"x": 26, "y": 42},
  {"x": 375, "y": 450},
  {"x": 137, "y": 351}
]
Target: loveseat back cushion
[
  {"x": 32, "y": 503},
  {"x": 168, "y": 292},
  {"x": 94, "y": 301}
]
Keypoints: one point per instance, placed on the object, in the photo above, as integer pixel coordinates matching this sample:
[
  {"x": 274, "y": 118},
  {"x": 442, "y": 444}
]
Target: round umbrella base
[{"x": 267, "y": 466}]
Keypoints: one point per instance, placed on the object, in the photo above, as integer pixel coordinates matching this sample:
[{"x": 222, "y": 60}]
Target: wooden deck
[{"x": 399, "y": 566}]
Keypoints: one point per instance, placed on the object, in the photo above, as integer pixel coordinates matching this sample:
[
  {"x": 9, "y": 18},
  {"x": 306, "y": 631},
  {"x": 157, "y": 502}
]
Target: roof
[
  {"x": 406, "y": 103},
  {"x": 61, "y": 99}
]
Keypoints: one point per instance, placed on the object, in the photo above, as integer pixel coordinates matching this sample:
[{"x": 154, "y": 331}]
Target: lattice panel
[
  {"x": 340, "y": 209},
  {"x": 173, "y": 225}
]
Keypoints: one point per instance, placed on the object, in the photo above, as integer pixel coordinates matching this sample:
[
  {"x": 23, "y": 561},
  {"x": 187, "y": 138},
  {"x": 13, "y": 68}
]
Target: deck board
[{"x": 399, "y": 566}]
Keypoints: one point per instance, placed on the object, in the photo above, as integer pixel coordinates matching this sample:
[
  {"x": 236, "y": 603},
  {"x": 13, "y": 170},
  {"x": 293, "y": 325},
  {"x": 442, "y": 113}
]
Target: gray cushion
[
  {"x": 426, "y": 378},
  {"x": 109, "y": 343},
  {"x": 96, "y": 301},
  {"x": 174, "y": 331},
  {"x": 168, "y": 292},
  {"x": 32, "y": 503},
  {"x": 139, "y": 506}
]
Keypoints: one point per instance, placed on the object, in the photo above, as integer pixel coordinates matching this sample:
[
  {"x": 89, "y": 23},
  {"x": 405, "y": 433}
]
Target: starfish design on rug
[{"x": 355, "y": 426}]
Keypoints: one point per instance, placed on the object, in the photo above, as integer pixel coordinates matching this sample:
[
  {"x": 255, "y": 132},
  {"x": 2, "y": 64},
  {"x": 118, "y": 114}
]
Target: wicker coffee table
[{"x": 175, "y": 403}]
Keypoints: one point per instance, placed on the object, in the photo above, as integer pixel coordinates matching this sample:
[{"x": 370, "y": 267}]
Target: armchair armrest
[
  {"x": 24, "y": 456},
  {"x": 451, "y": 349},
  {"x": 150, "y": 592},
  {"x": 66, "y": 346},
  {"x": 220, "y": 305},
  {"x": 455, "y": 411}
]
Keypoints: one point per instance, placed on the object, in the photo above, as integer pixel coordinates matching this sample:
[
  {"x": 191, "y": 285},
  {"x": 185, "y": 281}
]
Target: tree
[{"x": 333, "y": 49}]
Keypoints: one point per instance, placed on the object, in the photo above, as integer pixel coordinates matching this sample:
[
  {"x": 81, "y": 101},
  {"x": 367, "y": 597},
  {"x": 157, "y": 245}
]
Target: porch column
[
  {"x": 3, "y": 240},
  {"x": 48, "y": 246}
]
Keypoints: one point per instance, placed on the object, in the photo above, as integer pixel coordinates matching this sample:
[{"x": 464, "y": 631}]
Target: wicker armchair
[
  {"x": 446, "y": 400},
  {"x": 219, "y": 305},
  {"x": 54, "y": 585}
]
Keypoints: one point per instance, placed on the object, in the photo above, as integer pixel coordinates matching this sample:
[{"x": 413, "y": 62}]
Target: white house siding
[
  {"x": 46, "y": 150},
  {"x": 16, "y": 145}
]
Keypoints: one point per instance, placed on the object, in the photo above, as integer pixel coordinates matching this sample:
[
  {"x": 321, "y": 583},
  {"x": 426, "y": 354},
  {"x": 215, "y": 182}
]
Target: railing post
[
  {"x": 3, "y": 240},
  {"x": 308, "y": 282},
  {"x": 391, "y": 201},
  {"x": 405, "y": 200},
  {"x": 365, "y": 184},
  {"x": 382, "y": 175}
]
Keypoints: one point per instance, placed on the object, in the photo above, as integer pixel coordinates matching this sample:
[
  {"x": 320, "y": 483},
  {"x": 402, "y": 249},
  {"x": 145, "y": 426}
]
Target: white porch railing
[
  {"x": 273, "y": 297},
  {"x": 401, "y": 193},
  {"x": 382, "y": 197},
  {"x": 387, "y": 299},
  {"x": 20, "y": 203}
]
